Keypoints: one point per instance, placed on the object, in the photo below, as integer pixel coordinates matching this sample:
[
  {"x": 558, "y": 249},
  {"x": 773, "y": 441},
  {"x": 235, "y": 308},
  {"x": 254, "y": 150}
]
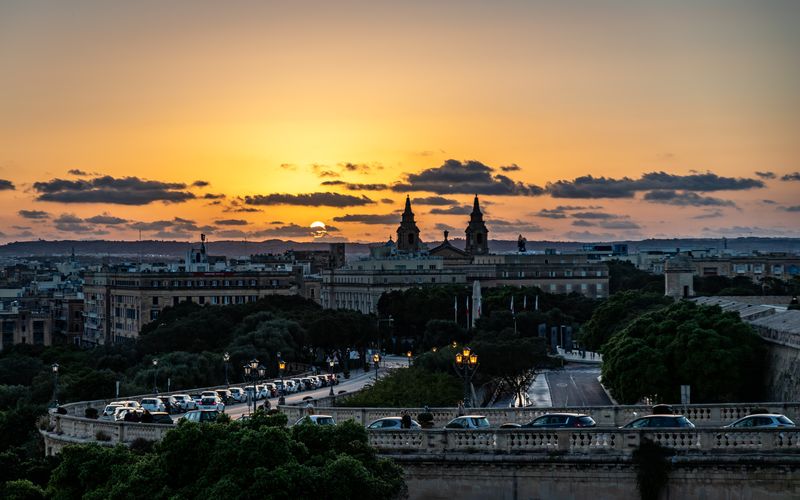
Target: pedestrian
[
  {"x": 147, "y": 417},
  {"x": 405, "y": 420},
  {"x": 461, "y": 408}
]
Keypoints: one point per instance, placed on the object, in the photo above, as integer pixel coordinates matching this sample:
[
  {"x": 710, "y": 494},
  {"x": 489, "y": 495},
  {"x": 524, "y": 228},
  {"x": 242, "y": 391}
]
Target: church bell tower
[
  {"x": 408, "y": 232},
  {"x": 477, "y": 234}
]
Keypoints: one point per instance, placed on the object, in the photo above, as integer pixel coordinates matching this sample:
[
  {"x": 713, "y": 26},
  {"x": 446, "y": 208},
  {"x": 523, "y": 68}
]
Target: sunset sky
[{"x": 573, "y": 120}]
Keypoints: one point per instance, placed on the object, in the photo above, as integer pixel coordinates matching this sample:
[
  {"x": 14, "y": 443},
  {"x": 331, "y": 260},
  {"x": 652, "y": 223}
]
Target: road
[
  {"x": 576, "y": 385},
  {"x": 357, "y": 380}
]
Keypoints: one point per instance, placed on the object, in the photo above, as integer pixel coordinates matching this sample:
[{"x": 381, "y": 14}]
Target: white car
[
  {"x": 290, "y": 386},
  {"x": 127, "y": 403},
  {"x": 185, "y": 402},
  {"x": 468, "y": 422},
  {"x": 110, "y": 410},
  {"x": 237, "y": 393},
  {"x": 317, "y": 419},
  {"x": 153, "y": 404},
  {"x": 211, "y": 403},
  {"x": 761, "y": 421}
]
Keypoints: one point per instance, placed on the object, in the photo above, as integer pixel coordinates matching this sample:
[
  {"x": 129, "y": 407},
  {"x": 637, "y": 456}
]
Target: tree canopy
[
  {"x": 617, "y": 312},
  {"x": 714, "y": 352}
]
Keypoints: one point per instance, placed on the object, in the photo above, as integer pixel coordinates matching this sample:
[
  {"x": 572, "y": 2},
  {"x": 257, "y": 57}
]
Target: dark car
[
  {"x": 161, "y": 417},
  {"x": 201, "y": 416},
  {"x": 657, "y": 421},
  {"x": 561, "y": 420}
]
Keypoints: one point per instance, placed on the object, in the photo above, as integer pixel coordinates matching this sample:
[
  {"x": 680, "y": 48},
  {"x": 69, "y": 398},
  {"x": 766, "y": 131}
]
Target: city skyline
[{"x": 625, "y": 120}]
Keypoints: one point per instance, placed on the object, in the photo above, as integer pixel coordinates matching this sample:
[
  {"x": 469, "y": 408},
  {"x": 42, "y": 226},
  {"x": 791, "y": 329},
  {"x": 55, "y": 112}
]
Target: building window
[{"x": 155, "y": 301}]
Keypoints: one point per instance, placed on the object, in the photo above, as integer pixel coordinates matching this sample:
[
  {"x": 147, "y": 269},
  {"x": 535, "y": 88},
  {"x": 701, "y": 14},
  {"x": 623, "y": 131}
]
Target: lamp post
[
  {"x": 251, "y": 370},
  {"x": 376, "y": 360},
  {"x": 55, "y": 384},
  {"x": 226, "y": 358},
  {"x": 466, "y": 364},
  {"x": 408, "y": 355},
  {"x": 155, "y": 376},
  {"x": 330, "y": 379},
  {"x": 281, "y": 369}
]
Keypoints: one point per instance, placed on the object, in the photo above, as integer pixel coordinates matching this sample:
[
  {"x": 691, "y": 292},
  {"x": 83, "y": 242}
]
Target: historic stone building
[
  {"x": 476, "y": 232},
  {"x": 408, "y": 232}
]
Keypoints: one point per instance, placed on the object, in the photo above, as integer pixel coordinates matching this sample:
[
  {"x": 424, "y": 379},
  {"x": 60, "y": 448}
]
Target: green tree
[
  {"x": 616, "y": 313},
  {"x": 412, "y": 387},
  {"x": 714, "y": 352},
  {"x": 511, "y": 359}
]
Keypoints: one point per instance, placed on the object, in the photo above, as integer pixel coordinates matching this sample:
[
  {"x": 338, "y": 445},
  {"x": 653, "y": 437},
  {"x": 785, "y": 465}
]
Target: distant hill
[{"x": 154, "y": 249}]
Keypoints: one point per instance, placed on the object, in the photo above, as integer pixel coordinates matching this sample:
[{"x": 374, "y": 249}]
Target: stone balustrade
[
  {"x": 440, "y": 443},
  {"x": 711, "y": 415}
]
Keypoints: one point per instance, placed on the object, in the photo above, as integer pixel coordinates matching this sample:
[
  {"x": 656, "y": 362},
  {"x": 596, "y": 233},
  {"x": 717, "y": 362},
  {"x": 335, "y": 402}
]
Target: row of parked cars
[{"x": 573, "y": 421}]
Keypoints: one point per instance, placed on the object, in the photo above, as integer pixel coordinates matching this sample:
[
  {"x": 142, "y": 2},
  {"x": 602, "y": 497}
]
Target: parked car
[
  {"x": 657, "y": 421},
  {"x": 762, "y": 421},
  {"x": 196, "y": 398},
  {"x": 391, "y": 423},
  {"x": 224, "y": 395},
  {"x": 160, "y": 417},
  {"x": 185, "y": 402},
  {"x": 171, "y": 404},
  {"x": 109, "y": 410},
  {"x": 468, "y": 422},
  {"x": 128, "y": 403},
  {"x": 153, "y": 404},
  {"x": 237, "y": 393},
  {"x": 290, "y": 386},
  {"x": 211, "y": 403},
  {"x": 316, "y": 419},
  {"x": 308, "y": 383},
  {"x": 510, "y": 425},
  {"x": 272, "y": 389},
  {"x": 561, "y": 420},
  {"x": 201, "y": 416}
]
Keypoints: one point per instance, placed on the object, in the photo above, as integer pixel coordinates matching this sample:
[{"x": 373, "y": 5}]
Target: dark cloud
[
  {"x": 768, "y": 202},
  {"x": 21, "y": 228},
  {"x": 6, "y": 185},
  {"x": 291, "y": 231},
  {"x": 369, "y": 218},
  {"x": 78, "y": 172},
  {"x": 107, "y": 189},
  {"x": 594, "y": 215},
  {"x": 201, "y": 184},
  {"x": 288, "y": 166},
  {"x": 618, "y": 224},
  {"x": 387, "y": 201},
  {"x": 794, "y": 176},
  {"x": 505, "y": 226},
  {"x": 231, "y": 222},
  {"x": 277, "y": 222},
  {"x": 434, "y": 200},
  {"x": 470, "y": 177},
  {"x": 443, "y": 227},
  {"x": 766, "y": 175},
  {"x": 358, "y": 167},
  {"x": 454, "y": 210},
  {"x": 685, "y": 198},
  {"x": 602, "y": 187},
  {"x": 560, "y": 212},
  {"x": 357, "y": 187},
  {"x": 327, "y": 173},
  {"x": 169, "y": 228},
  {"x": 34, "y": 214},
  {"x": 243, "y": 210},
  {"x": 309, "y": 200},
  {"x": 583, "y": 223},
  {"x": 510, "y": 168},
  {"x": 71, "y": 223},
  {"x": 213, "y": 196},
  {"x": 709, "y": 214},
  {"x": 106, "y": 219},
  {"x": 793, "y": 208}
]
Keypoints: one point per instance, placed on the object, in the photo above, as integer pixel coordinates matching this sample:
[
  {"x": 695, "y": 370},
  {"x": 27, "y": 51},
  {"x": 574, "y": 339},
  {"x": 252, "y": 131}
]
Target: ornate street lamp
[
  {"x": 466, "y": 364},
  {"x": 252, "y": 371},
  {"x": 226, "y": 358},
  {"x": 330, "y": 379},
  {"x": 376, "y": 360},
  {"x": 281, "y": 369},
  {"x": 55, "y": 367},
  {"x": 155, "y": 376},
  {"x": 408, "y": 355},
  {"x": 435, "y": 349}
]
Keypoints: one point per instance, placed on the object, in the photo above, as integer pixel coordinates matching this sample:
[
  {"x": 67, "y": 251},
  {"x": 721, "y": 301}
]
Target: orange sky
[{"x": 265, "y": 98}]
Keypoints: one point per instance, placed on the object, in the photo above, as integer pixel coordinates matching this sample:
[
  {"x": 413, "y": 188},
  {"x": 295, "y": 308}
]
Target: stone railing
[
  {"x": 712, "y": 415},
  {"x": 440, "y": 443},
  {"x": 68, "y": 429}
]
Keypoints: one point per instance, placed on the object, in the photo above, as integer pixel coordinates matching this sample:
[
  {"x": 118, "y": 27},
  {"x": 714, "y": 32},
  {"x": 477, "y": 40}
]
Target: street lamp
[
  {"x": 155, "y": 376},
  {"x": 435, "y": 349},
  {"x": 330, "y": 379},
  {"x": 408, "y": 355},
  {"x": 466, "y": 364},
  {"x": 281, "y": 369},
  {"x": 55, "y": 384},
  {"x": 251, "y": 370},
  {"x": 226, "y": 358},
  {"x": 376, "y": 360}
]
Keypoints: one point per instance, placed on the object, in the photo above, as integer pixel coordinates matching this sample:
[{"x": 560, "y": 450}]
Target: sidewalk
[{"x": 539, "y": 392}]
